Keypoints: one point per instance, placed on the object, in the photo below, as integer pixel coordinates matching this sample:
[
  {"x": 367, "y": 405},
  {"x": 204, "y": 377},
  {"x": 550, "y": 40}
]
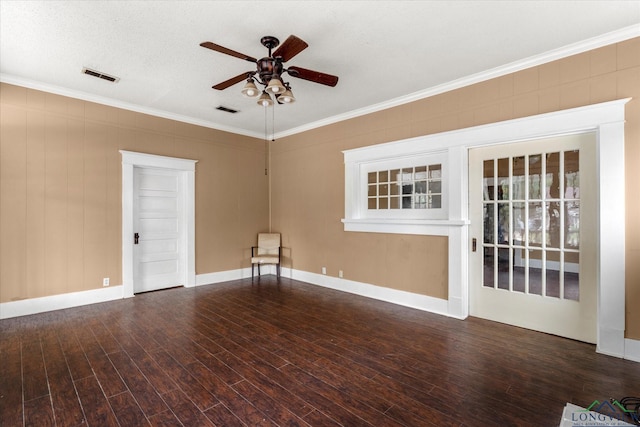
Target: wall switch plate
[
  {"x": 105, "y": 281},
  {"x": 340, "y": 273},
  {"x": 324, "y": 270}
]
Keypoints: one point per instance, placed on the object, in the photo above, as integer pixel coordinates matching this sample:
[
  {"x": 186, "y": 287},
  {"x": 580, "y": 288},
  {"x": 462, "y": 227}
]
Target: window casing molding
[
  {"x": 606, "y": 119},
  {"x": 394, "y": 155}
]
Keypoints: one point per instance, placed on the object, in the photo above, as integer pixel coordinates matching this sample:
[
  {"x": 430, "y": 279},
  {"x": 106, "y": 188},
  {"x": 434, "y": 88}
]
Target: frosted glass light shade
[
  {"x": 287, "y": 97},
  {"x": 275, "y": 86},
  {"x": 265, "y": 100},
  {"x": 250, "y": 90}
]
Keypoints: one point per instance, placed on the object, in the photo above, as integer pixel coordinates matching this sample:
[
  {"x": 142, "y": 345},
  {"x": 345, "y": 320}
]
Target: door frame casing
[
  {"x": 186, "y": 169},
  {"x": 607, "y": 119}
]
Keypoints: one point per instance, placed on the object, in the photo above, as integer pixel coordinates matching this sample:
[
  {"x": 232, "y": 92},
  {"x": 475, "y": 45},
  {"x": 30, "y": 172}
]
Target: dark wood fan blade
[
  {"x": 290, "y": 48},
  {"x": 232, "y": 81},
  {"x": 223, "y": 49},
  {"x": 313, "y": 76}
]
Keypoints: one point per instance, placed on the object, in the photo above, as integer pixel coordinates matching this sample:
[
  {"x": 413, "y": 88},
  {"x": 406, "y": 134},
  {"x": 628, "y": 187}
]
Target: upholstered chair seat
[{"x": 267, "y": 252}]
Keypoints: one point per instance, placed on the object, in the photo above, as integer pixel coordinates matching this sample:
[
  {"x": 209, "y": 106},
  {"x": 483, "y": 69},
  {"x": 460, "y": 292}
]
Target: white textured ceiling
[{"x": 384, "y": 52}]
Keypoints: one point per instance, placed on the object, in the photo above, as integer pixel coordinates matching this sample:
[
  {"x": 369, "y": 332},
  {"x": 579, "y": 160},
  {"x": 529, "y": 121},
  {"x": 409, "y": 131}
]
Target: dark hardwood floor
[{"x": 289, "y": 354}]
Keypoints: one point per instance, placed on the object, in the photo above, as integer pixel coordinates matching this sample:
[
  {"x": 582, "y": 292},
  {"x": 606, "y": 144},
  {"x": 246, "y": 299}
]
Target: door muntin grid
[{"x": 531, "y": 226}]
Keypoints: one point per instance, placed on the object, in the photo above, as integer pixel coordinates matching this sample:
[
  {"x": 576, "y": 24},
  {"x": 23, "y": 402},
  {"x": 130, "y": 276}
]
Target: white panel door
[
  {"x": 533, "y": 217},
  {"x": 156, "y": 208}
]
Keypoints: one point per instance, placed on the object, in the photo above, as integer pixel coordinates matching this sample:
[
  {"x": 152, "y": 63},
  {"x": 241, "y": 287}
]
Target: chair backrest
[{"x": 268, "y": 243}]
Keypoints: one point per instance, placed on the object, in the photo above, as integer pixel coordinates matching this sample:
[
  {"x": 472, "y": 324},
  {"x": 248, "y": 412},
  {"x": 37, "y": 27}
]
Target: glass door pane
[{"x": 531, "y": 226}]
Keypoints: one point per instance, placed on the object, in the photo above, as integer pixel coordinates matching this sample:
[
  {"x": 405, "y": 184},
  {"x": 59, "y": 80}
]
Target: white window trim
[
  {"x": 607, "y": 119},
  {"x": 361, "y": 210},
  {"x": 187, "y": 168}
]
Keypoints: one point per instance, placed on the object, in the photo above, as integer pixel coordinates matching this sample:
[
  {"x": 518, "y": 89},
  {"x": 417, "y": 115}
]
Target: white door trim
[
  {"x": 607, "y": 119},
  {"x": 187, "y": 252}
]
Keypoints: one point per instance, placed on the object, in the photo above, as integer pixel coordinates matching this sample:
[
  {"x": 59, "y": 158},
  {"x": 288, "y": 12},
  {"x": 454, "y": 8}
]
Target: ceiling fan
[{"x": 269, "y": 70}]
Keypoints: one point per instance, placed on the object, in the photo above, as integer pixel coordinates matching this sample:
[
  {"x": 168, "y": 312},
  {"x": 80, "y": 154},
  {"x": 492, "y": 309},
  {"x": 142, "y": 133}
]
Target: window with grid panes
[{"x": 415, "y": 187}]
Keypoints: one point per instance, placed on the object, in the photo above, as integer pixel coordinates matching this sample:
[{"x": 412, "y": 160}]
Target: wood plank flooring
[{"x": 289, "y": 354}]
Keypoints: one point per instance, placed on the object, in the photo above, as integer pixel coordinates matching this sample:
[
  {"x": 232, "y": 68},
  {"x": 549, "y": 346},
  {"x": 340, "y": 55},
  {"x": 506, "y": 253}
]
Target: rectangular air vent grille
[
  {"x": 226, "y": 109},
  {"x": 100, "y": 75}
]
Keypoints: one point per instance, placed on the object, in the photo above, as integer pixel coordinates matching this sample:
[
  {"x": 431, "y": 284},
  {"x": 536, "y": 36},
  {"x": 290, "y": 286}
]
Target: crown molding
[
  {"x": 533, "y": 61},
  {"x": 84, "y": 96},
  {"x": 553, "y": 55}
]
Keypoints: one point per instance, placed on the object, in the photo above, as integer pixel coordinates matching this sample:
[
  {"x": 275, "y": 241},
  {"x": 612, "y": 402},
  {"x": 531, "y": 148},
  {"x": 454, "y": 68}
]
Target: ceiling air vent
[
  {"x": 226, "y": 110},
  {"x": 100, "y": 75}
]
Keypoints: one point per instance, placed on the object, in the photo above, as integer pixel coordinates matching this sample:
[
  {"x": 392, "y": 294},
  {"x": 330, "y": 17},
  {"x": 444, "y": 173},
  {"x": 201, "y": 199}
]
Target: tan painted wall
[
  {"x": 308, "y": 181},
  {"x": 60, "y": 181},
  {"x": 60, "y": 191}
]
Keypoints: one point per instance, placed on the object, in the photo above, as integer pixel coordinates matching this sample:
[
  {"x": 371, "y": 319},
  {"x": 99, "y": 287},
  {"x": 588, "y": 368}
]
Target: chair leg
[
  {"x": 278, "y": 270},
  {"x": 259, "y": 274},
  {"x": 252, "y": 265}
]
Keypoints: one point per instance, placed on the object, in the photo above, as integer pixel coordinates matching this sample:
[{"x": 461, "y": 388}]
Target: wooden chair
[{"x": 267, "y": 252}]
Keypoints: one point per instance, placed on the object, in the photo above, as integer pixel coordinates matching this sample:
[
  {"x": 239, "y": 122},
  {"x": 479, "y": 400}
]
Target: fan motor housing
[{"x": 269, "y": 68}]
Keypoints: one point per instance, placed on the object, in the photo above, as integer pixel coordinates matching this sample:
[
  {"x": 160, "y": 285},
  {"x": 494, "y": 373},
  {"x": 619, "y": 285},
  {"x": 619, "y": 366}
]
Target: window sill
[{"x": 430, "y": 227}]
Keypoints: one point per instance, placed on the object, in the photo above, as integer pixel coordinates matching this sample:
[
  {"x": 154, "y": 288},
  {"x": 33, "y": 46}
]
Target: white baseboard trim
[
  {"x": 222, "y": 276},
  {"x": 632, "y": 349},
  {"x": 229, "y": 275},
  {"x": 407, "y": 299},
  {"x": 611, "y": 342},
  {"x": 59, "y": 302},
  {"x": 394, "y": 296}
]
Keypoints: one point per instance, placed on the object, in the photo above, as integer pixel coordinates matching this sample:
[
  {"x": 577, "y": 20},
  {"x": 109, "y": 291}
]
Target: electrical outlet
[
  {"x": 105, "y": 281},
  {"x": 324, "y": 270},
  {"x": 340, "y": 273}
]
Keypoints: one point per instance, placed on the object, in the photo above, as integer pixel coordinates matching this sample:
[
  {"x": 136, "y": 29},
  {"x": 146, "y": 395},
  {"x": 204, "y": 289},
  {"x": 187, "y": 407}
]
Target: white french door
[
  {"x": 533, "y": 220},
  {"x": 158, "y": 235}
]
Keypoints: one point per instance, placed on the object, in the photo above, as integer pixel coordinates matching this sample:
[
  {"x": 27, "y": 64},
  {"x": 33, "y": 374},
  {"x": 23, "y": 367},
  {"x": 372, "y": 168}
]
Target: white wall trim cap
[{"x": 403, "y": 226}]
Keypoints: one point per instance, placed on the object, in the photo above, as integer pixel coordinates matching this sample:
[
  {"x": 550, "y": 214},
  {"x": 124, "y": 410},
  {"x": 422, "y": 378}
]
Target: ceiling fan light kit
[
  {"x": 286, "y": 97},
  {"x": 275, "y": 86},
  {"x": 269, "y": 71},
  {"x": 265, "y": 100},
  {"x": 250, "y": 90}
]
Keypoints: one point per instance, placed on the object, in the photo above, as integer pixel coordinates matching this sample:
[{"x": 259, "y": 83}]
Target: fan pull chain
[{"x": 266, "y": 145}]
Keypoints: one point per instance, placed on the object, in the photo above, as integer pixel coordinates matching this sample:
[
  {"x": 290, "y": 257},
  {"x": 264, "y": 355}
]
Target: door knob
[{"x": 136, "y": 236}]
